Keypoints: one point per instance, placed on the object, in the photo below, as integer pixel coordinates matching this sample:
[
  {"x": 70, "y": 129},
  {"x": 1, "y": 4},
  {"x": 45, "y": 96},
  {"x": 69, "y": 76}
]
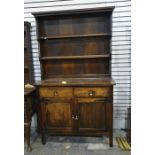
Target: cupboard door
[
  {"x": 57, "y": 115},
  {"x": 91, "y": 115}
]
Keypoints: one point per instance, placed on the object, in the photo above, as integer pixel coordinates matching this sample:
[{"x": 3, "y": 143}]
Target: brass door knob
[{"x": 91, "y": 93}]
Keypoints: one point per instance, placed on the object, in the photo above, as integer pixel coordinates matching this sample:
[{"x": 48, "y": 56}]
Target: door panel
[
  {"x": 92, "y": 115},
  {"x": 109, "y": 116},
  {"x": 58, "y": 115}
]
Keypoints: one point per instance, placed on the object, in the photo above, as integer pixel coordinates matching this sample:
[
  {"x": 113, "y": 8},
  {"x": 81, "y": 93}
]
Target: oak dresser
[{"x": 76, "y": 90}]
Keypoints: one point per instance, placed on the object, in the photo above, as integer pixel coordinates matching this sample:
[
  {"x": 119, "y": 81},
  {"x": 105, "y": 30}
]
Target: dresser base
[{"x": 108, "y": 134}]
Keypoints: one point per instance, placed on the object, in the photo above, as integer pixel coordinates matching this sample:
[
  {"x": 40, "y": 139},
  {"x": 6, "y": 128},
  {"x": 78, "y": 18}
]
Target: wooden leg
[
  {"x": 43, "y": 139},
  {"x": 111, "y": 139},
  {"x": 28, "y": 132},
  {"x": 41, "y": 124}
]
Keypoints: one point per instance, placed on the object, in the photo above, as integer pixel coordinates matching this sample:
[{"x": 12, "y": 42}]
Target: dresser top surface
[{"x": 76, "y": 82}]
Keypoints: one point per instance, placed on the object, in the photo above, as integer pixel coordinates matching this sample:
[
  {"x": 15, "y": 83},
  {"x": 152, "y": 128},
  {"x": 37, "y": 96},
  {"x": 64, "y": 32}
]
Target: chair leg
[{"x": 28, "y": 132}]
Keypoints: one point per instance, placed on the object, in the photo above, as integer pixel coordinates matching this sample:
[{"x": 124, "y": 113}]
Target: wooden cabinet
[
  {"x": 29, "y": 93},
  {"x": 61, "y": 112},
  {"x": 74, "y": 110},
  {"x": 76, "y": 90},
  {"x": 28, "y": 66}
]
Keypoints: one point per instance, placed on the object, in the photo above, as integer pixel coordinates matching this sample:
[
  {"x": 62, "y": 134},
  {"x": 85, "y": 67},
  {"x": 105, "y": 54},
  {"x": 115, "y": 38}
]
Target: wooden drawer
[
  {"x": 93, "y": 92},
  {"x": 55, "y": 92}
]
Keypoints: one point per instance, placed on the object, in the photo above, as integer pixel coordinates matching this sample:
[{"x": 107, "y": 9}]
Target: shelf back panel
[
  {"x": 74, "y": 67},
  {"x": 75, "y": 47},
  {"x": 74, "y": 24}
]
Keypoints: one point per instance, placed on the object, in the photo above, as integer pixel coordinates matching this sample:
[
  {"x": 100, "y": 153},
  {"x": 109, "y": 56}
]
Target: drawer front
[
  {"x": 55, "y": 92},
  {"x": 93, "y": 92}
]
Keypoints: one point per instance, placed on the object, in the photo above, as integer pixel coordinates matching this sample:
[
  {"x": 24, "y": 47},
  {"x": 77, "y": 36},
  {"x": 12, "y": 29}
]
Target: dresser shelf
[
  {"x": 76, "y": 57},
  {"x": 75, "y": 36}
]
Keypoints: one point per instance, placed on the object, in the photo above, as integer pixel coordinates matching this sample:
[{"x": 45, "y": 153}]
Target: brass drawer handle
[
  {"x": 55, "y": 93},
  {"x": 75, "y": 118},
  {"x": 91, "y": 93}
]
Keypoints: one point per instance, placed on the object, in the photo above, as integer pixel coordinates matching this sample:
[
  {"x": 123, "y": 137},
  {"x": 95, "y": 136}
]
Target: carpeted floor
[{"x": 59, "y": 145}]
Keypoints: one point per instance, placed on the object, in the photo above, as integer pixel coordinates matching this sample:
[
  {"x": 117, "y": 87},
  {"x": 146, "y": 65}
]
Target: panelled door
[
  {"x": 91, "y": 115},
  {"x": 57, "y": 115}
]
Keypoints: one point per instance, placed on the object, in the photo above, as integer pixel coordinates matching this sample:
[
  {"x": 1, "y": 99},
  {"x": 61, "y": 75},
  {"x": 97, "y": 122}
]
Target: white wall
[{"x": 121, "y": 44}]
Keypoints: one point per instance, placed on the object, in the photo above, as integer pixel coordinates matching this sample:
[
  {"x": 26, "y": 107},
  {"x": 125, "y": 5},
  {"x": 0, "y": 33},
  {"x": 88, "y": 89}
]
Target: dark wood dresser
[{"x": 76, "y": 90}]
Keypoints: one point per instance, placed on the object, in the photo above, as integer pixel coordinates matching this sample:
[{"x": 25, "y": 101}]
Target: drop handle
[{"x": 75, "y": 118}]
